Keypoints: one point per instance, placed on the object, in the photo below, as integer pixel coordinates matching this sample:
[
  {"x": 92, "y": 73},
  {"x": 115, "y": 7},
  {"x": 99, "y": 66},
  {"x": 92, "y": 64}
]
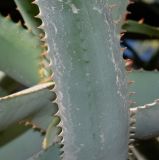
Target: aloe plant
[{"x": 64, "y": 92}]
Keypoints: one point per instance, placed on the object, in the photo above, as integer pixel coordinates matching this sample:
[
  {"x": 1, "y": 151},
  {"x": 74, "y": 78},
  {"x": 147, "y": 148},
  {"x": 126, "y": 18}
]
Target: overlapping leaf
[
  {"x": 19, "y": 143},
  {"x": 145, "y": 87},
  {"x": 17, "y": 106},
  {"x": 20, "y": 53},
  {"x": 135, "y": 27},
  {"x": 29, "y": 11}
]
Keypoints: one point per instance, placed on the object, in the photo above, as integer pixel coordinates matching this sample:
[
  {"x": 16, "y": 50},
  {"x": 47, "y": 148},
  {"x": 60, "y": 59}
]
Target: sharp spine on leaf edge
[
  {"x": 133, "y": 112},
  {"x": 45, "y": 55},
  {"x": 132, "y": 130}
]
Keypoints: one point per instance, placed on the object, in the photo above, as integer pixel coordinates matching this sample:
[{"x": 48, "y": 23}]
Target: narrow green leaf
[
  {"x": 51, "y": 134},
  {"x": 29, "y": 10},
  {"x": 135, "y": 27},
  {"x": 17, "y": 106},
  {"x": 20, "y": 53}
]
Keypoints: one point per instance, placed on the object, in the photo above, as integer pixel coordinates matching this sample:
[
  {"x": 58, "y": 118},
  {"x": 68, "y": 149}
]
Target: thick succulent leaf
[
  {"x": 53, "y": 153},
  {"x": 28, "y": 12},
  {"x": 19, "y": 143},
  {"x": 134, "y": 27},
  {"x": 117, "y": 11},
  {"x": 17, "y": 106},
  {"x": 20, "y": 53},
  {"x": 146, "y": 120},
  {"x": 145, "y": 110},
  {"x": 89, "y": 75},
  {"x": 43, "y": 117},
  {"x": 144, "y": 87}
]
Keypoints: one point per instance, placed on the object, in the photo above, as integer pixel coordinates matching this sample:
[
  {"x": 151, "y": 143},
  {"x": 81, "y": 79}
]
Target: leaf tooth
[
  {"x": 41, "y": 26},
  {"x": 130, "y": 82},
  {"x": 122, "y": 49},
  {"x": 131, "y": 102},
  {"x": 131, "y": 93},
  {"x": 58, "y": 114},
  {"x": 26, "y": 123},
  {"x": 132, "y": 124},
  {"x": 58, "y": 125},
  {"x": 44, "y": 53},
  {"x": 44, "y": 45},
  {"x": 35, "y": 2},
  {"x": 141, "y": 21},
  {"x": 8, "y": 17},
  {"x": 130, "y": 152},
  {"x": 129, "y": 65},
  {"x": 19, "y": 23},
  {"x": 44, "y": 38},
  {"x": 34, "y": 126},
  {"x": 131, "y": 141},
  {"x": 38, "y": 15},
  {"x": 45, "y": 63}
]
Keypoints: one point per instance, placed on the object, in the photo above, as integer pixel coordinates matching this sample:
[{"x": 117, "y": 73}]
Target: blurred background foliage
[
  {"x": 140, "y": 37},
  {"x": 142, "y": 48}
]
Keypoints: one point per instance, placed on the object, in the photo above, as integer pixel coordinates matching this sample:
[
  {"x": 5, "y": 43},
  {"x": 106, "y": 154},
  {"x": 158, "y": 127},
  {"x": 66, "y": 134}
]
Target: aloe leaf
[
  {"x": 19, "y": 143},
  {"x": 117, "y": 11},
  {"x": 146, "y": 120},
  {"x": 43, "y": 117},
  {"x": 28, "y": 12},
  {"x": 20, "y": 53},
  {"x": 144, "y": 87},
  {"x": 145, "y": 109},
  {"x": 89, "y": 75},
  {"x": 17, "y": 106},
  {"x": 53, "y": 153},
  {"x": 135, "y": 27}
]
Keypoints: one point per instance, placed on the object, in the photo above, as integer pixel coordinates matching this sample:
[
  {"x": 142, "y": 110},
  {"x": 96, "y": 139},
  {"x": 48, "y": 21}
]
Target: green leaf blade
[
  {"x": 89, "y": 78},
  {"x": 28, "y": 10},
  {"x": 18, "y": 106},
  {"x": 144, "y": 87},
  {"x": 20, "y": 53},
  {"x": 134, "y": 27}
]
